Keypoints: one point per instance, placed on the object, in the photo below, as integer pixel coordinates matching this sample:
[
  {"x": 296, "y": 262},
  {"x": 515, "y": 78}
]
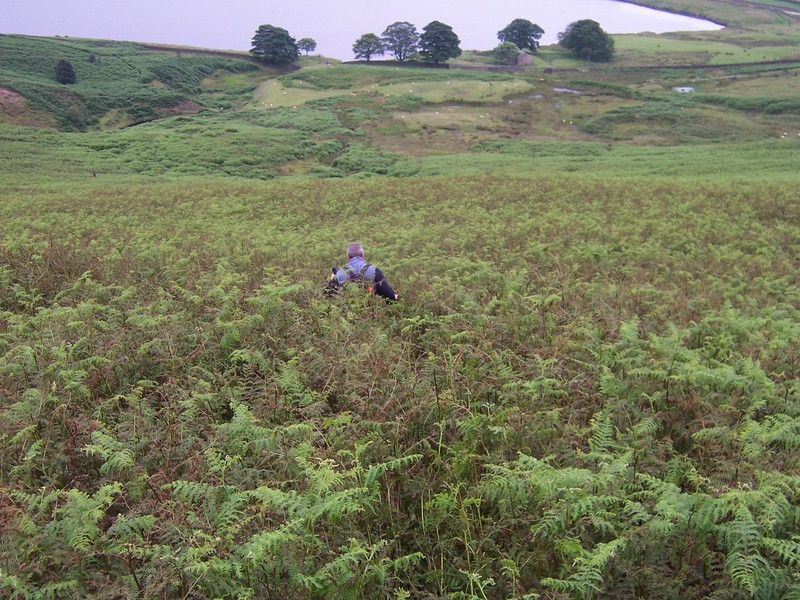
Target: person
[{"x": 358, "y": 269}]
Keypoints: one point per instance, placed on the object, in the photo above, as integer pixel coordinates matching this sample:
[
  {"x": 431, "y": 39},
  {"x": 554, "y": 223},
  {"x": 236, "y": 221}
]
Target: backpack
[{"x": 333, "y": 287}]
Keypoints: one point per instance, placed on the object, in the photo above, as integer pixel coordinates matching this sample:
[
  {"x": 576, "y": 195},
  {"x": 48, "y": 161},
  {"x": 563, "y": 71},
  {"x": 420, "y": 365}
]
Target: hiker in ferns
[{"x": 360, "y": 271}]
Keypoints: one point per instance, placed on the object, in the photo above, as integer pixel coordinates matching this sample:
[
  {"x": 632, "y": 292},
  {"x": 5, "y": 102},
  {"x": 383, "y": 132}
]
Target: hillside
[
  {"x": 338, "y": 120},
  {"x": 590, "y": 387}
]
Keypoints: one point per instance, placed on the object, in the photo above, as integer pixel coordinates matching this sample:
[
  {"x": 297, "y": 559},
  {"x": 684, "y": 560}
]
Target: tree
[
  {"x": 523, "y": 33},
  {"x": 65, "y": 73},
  {"x": 587, "y": 39},
  {"x": 307, "y": 44},
  {"x": 506, "y": 53},
  {"x": 367, "y": 46},
  {"x": 274, "y": 45},
  {"x": 401, "y": 39},
  {"x": 439, "y": 43}
]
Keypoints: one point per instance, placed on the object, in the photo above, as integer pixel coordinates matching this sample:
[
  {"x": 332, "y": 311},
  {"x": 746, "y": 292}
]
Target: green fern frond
[
  {"x": 636, "y": 511},
  {"x": 792, "y": 592},
  {"x": 338, "y": 505},
  {"x": 272, "y": 499},
  {"x": 264, "y": 546},
  {"x": 190, "y": 491},
  {"x": 118, "y": 457},
  {"x": 374, "y": 473},
  {"x": 60, "y": 589},
  {"x": 230, "y": 514},
  {"x": 787, "y": 550},
  {"x": 746, "y": 570},
  {"x": 590, "y": 567},
  {"x": 782, "y": 430},
  {"x": 76, "y": 521},
  {"x": 502, "y": 484},
  {"x": 550, "y": 525},
  {"x": 132, "y": 528},
  {"x": 407, "y": 561},
  {"x": 743, "y": 533},
  {"x": 646, "y": 428},
  {"x": 602, "y": 438},
  {"x": 16, "y": 586}
]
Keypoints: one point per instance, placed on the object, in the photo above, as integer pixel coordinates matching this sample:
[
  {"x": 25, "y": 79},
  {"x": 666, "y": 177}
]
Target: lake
[{"x": 336, "y": 25}]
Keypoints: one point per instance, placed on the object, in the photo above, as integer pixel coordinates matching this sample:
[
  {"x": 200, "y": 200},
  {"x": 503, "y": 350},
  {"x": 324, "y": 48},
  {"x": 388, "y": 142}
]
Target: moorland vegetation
[{"x": 590, "y": 387}]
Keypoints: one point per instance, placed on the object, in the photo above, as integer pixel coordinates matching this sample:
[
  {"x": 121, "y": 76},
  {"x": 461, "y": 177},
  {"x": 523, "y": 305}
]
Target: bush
[
  {"x": 506, "y": 54},
  {"x": 360, "y": 159},
  {"x": 65, "y": 72}
]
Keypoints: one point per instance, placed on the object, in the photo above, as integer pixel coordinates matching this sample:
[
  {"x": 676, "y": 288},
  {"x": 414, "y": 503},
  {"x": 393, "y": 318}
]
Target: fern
[
  {"x": 375, "y": 472},
  {"x": 747, "y": 570},
  {"x": 76, "y": 522},
  {"x": 590, "y": 566},
  {"x": 787, "y": 551},
  {"x": 127, "y": 528},
  {"x": 337, "y": 505},
  {"x": 118, "y": 457},
  {"x": 190, "y": 491},
  {"x": 266, "y": 546},
  {"x": 602, "y": 438}
]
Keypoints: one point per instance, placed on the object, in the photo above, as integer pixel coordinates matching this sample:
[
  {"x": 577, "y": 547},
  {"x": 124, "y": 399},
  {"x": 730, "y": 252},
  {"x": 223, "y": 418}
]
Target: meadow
[{"x": 590, "y": 387}]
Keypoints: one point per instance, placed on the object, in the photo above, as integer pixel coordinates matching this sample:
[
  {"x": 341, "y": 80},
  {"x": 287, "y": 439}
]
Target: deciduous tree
[
  {"x": 523, "y": 33},
  {"x": 274, "y": 45},
  {"x": 586, "y": 39},
  {"x": 367, "y": 46},
  {"x": 439, "y": 43},
  {"x": 307, "y": 44},
  {"x": 401, "y": 39}
]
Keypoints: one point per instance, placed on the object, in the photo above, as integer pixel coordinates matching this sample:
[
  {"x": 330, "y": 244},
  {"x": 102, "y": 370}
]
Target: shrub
[{"x": 65, "y": 72}]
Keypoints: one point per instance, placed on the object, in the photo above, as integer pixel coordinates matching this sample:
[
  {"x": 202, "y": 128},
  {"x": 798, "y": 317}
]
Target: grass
[
  {"x": 112, "y": 76},
  {"x": 425, "y": 85}
]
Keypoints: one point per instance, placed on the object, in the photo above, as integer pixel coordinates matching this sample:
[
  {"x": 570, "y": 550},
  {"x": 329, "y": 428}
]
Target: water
[
  {"x": 336, "y": 29},
  {"x": 334, "y": 24}
]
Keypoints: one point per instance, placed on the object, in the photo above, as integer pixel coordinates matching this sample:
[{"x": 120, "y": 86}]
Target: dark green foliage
[
  {"x": 112, "y": 81},
  {"x": 307, "y": 45},
  {"x": 506, "y": 53},
  {"x": 750, "y": 104},
  {"x": 368, "y": 46},
  {"x": 352, "y": 76},
  {"x": 400, "y": 39},
  {"x": 358, "y": 158},
  {"x": 522, "y": 33},
  {"x": 404, "y": 102},
  {"x": 438, "y": 43},
  {"x": 587, "y": 40},
  {"x": 646, "y": 113},
  {"x": 65, "y": 72},
  {"x": 274, "y": 45}
]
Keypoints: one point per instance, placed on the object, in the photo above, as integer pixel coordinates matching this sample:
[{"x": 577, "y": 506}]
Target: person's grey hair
[{"x": 354, "y": 249}]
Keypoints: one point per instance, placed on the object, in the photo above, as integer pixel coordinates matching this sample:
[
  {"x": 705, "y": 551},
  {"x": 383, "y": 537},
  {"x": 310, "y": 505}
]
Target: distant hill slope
[{"x": 118, "y": 83}]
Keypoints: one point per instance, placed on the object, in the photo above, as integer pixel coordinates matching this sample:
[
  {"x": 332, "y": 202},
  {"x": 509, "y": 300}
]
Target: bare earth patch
[
  {"x": 187, "y": 107},
  {"x": 14, "y": 109},
  {"x": 12, "y": 103}
]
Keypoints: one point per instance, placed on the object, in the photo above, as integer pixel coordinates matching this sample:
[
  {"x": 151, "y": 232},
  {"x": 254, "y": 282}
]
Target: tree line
[{"x": 438, "y": 43}]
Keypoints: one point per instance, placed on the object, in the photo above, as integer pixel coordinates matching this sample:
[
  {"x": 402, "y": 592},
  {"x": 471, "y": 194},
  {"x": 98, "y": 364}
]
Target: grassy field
[{"x": 590, "y": 387}]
